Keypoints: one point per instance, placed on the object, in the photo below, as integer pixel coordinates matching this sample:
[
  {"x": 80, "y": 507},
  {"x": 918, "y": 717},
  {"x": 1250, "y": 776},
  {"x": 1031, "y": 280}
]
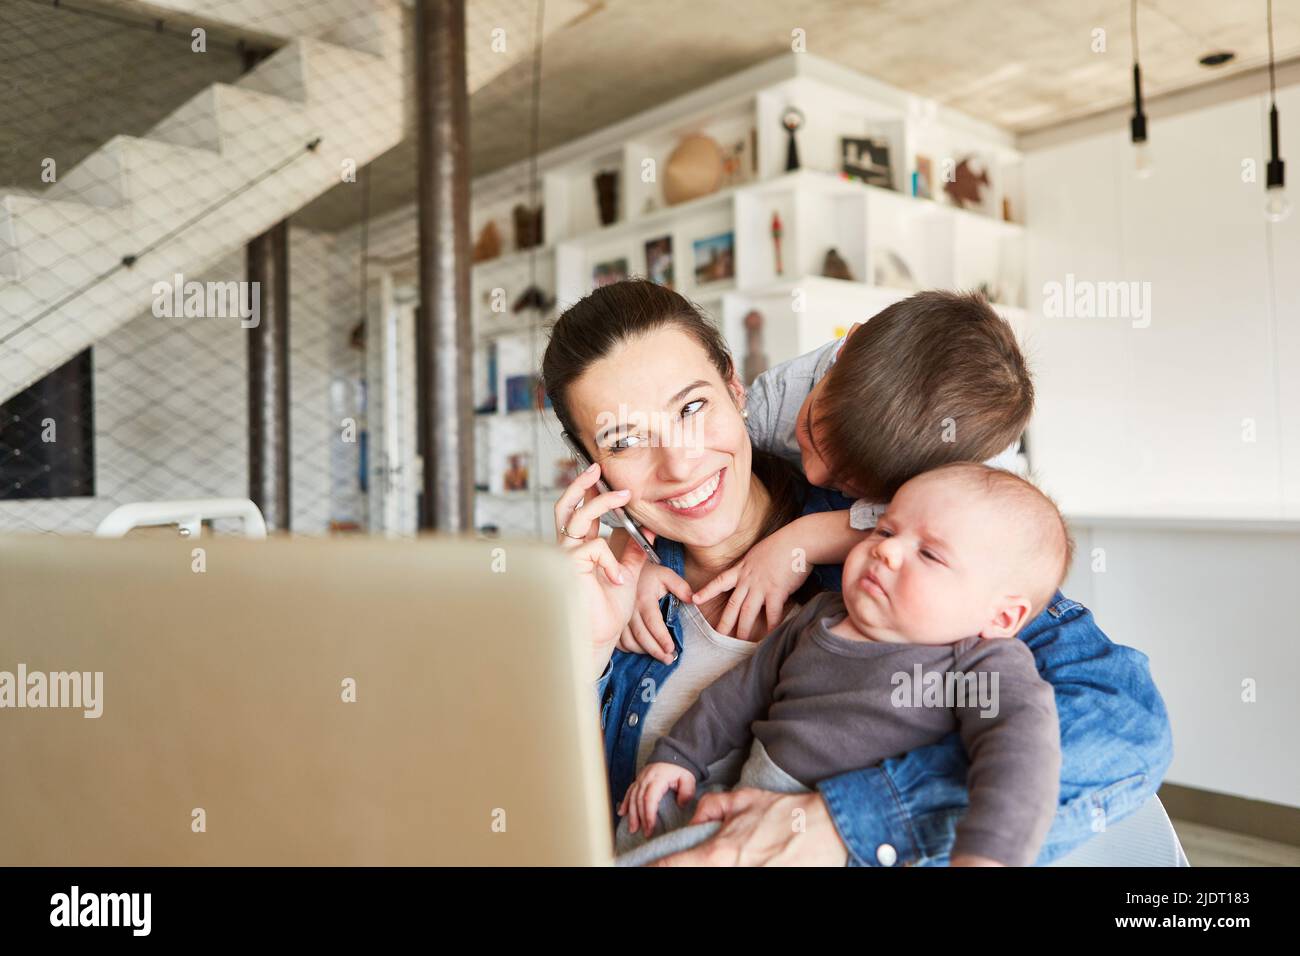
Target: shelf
[
  {"x": 837, "y": 183},
  {"x": 893, "y": 243},
  {"x": 665, "y": 214},
  {"x": 511, "y": 259}
]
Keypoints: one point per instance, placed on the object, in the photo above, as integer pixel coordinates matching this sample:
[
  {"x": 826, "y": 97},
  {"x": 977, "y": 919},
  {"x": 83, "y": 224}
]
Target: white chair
[
  {"x": 188, "y": 515},
  {"x": 1146, "y": 838}
]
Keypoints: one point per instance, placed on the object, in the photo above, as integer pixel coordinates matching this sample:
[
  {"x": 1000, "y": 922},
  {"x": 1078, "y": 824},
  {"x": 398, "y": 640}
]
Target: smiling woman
[{"x": 647, "y": 387}]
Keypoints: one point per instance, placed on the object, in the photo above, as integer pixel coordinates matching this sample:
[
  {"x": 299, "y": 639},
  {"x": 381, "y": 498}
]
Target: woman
[{"x": 646, "y": 385}]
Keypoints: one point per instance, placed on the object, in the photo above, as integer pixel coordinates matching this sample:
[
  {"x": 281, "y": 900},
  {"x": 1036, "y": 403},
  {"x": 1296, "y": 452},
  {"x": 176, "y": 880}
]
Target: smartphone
[{"x": 622, "y": 516}]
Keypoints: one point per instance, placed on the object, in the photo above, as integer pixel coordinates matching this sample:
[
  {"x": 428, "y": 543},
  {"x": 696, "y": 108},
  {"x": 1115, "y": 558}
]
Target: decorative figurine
[
  {"x": 607, "y": 196},
  {"x": 792, "y": 119},
  {"x": 967, "y": 188},
  {"x": 834, "y": 266},
  {"x": 528, "y": 226},
  {"x": 488, "y": 244},
  {"x": 776, "y": 241},
  {"x": 534, "y": 297}
]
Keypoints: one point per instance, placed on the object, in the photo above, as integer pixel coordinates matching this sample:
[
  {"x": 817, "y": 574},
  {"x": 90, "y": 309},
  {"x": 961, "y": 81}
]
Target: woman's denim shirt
[{"x": 1115, "y": 739}]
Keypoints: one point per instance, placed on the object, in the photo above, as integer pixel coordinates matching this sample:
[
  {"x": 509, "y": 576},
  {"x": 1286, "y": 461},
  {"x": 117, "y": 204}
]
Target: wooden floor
[{"x": 1207, "y": 846}]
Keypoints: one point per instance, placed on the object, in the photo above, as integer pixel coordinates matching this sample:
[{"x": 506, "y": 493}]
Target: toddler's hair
[{"x": 935, "y": 378}]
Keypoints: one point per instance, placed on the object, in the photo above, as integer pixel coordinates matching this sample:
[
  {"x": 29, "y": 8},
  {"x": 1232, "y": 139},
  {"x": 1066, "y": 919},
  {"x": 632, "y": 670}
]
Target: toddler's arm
[
  {"x": 646, "y": 632},
  {"x": 775, "y": 567}
]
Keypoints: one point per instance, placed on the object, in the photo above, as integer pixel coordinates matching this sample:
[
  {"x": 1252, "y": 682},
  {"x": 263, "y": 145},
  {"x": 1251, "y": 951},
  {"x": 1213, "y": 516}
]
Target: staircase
[{"x": 82, "y": 258}]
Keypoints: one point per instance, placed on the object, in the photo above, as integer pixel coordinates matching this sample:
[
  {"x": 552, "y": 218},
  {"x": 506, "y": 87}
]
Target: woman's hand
[
  {"x": 761, "y": 828},
  {"x": 608, "y": 585}
]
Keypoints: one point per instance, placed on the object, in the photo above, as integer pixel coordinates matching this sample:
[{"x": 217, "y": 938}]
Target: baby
[{"x": 921, "y": 643}]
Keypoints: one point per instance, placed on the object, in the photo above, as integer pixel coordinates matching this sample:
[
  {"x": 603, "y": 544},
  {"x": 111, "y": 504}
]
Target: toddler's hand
[
  {"x": 763, "y": 579},
  {"x": 641, "y": 802},
  {"x": 971, "y": 860},
  {"x": 646, "y": 632}
]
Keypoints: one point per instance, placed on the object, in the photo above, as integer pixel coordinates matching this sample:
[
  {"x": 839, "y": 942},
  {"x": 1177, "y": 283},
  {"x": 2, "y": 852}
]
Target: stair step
[
  {"x": 104, "y": 177},
  {"x": 225, "y": 117},
  {"x": 307, "y": 67},
  {"x": 70, "y": 239}
]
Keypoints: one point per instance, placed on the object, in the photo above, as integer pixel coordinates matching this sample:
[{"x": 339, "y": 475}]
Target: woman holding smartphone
[{"x": 647, "y": 387}]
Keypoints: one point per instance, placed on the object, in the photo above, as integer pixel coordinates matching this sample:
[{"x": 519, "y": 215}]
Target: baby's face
[{"x": 931, "y": 571}]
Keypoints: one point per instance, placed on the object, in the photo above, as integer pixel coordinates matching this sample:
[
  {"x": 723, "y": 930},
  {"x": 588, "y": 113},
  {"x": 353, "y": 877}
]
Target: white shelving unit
[{"x": 893, "y": 242}]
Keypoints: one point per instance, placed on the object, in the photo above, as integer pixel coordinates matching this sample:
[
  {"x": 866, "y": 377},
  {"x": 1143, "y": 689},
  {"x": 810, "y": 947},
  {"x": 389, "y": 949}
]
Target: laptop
[{"x": 295, "y": 702}]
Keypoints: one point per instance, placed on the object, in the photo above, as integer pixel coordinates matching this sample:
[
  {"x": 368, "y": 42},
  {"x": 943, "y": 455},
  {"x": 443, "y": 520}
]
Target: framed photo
[
  {"x": 611, "y": 270},
  {"x": 715, "y": 258},
  {"x": 867, "y": 158},
  {"x": 659, "y": 260}
]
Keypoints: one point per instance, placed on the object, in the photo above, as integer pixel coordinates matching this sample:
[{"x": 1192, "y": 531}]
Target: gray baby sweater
[{"x": 823, "y": 705}]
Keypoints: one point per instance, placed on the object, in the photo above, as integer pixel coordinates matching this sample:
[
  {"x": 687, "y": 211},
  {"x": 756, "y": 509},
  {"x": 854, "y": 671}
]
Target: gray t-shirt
[
  {"x": 773, "y": 402},
  {"x": 823, "y": 705}
]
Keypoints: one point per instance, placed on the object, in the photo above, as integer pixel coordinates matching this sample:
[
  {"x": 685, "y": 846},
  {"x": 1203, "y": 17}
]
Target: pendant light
[
  {"x": 1276, "y": 207},
  {"x": 1142, "y": 164}
]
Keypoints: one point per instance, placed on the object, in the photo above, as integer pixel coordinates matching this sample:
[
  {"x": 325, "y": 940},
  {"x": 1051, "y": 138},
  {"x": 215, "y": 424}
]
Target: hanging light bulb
[
  {"x": 1276, "y": 204},
  {"x": 1143, "y": 166}
]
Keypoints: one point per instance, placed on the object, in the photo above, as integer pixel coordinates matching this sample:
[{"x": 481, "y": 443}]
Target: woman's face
[{"x": 664, "y": 425}]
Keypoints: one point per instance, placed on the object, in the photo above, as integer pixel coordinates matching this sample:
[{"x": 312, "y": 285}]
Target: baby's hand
[
  {"x": 763, "y": 579},
  {"x": 971, "y": 860},
  {"x": 641, "y": 802},
  {"x": 646, "y": 632}
]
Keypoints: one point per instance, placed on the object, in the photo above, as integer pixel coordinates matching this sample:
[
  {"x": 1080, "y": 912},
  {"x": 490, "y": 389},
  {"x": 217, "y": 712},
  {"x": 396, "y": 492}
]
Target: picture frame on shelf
[
  {"x": 738, "y": 159},
  {"x": 659, "y": 260},
  {"x": 608, "y": 272},
  {"x": 516, "y": 473},
  {"x": 521, "y": 392},
  {"x": 715, "y": 258},
  {"x": 867, "y": 158}
]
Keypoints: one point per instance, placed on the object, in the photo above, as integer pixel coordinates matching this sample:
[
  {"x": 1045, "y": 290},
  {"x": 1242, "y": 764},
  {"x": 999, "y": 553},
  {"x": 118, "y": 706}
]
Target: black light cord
[
  {"x": 1274, "y": 173},
  {"x": 1138, "y": 123},
  {"x": 1272, "y": 86}
]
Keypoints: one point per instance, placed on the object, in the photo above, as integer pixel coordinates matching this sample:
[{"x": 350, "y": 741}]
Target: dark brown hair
[
  {"x": 933, "y": 379},
  {"x": 593, "y": 327}
]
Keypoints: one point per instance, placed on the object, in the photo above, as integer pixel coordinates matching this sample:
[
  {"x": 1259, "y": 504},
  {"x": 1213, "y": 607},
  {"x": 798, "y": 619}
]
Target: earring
[{"x": 744, "y": 413}]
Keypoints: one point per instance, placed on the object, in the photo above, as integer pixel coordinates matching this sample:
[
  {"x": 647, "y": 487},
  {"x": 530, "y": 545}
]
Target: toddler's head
[
  {"x": 962, "y": 550},
  {"x": 935, "y": 378}
]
